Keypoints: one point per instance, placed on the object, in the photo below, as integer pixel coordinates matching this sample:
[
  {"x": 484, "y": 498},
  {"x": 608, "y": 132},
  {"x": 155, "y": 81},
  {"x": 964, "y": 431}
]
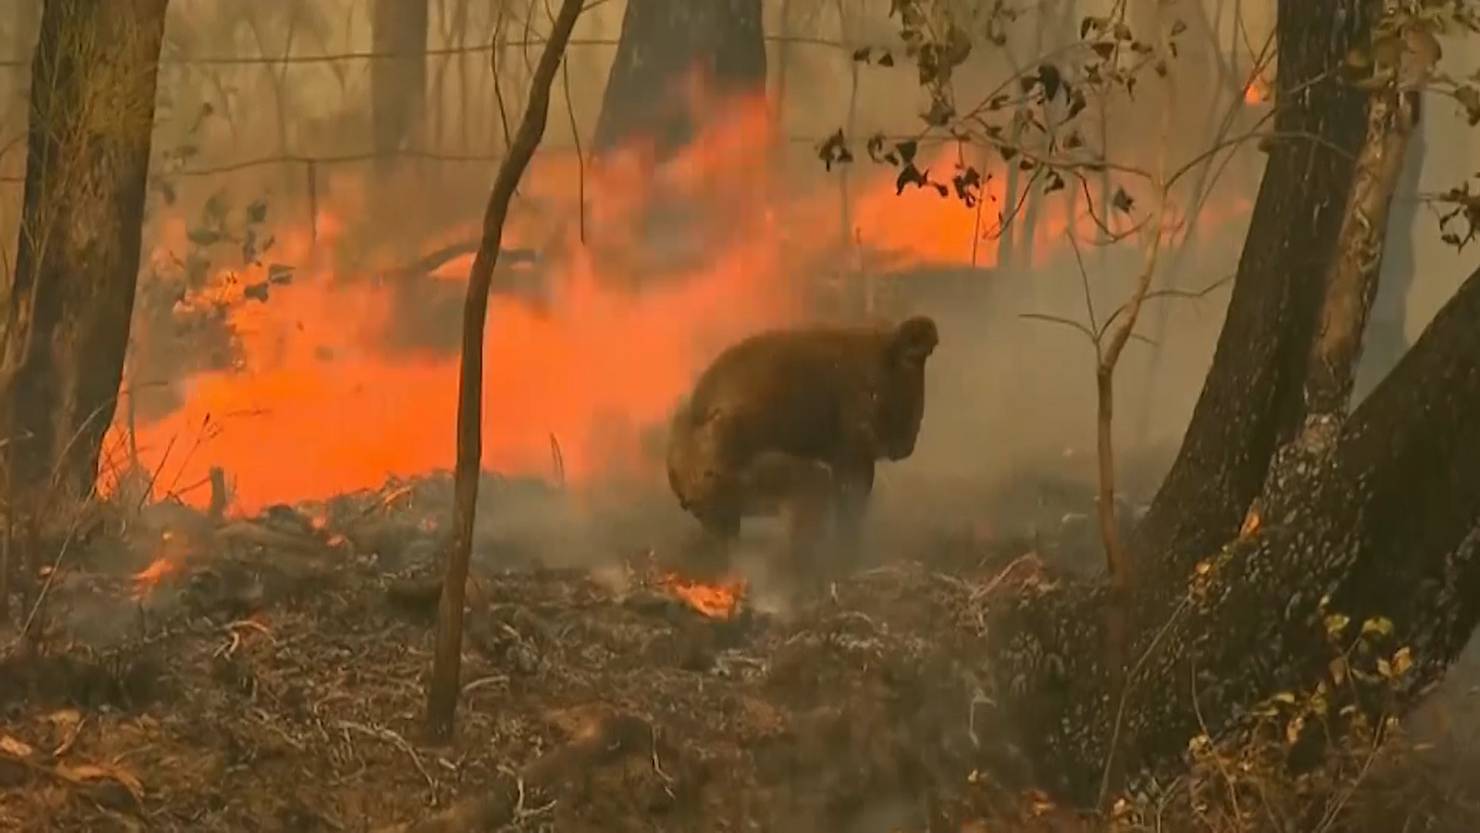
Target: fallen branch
[{"x": 434, "y": 260}]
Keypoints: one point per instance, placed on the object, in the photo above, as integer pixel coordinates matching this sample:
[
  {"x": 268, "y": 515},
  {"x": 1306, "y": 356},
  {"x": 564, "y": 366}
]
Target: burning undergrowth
[
  {"x": 610, "y": 298},
  {"x": 266, "y": 673}
]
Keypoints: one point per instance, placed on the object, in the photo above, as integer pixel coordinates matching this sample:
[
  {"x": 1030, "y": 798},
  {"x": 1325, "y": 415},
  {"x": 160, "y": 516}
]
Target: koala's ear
[{"x": 914, "y": 340}]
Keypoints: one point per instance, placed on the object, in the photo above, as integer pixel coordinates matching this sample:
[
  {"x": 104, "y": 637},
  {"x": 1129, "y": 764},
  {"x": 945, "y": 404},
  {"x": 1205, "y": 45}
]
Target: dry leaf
[
  {"x": 85, "y": 773},
  {"x": 13, "y": 748}
]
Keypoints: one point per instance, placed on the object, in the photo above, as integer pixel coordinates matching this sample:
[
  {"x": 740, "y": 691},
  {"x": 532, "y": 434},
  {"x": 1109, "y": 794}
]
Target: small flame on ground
[
  {"x": 717, "y": 601},
  {"x": 148, "y": 578}
]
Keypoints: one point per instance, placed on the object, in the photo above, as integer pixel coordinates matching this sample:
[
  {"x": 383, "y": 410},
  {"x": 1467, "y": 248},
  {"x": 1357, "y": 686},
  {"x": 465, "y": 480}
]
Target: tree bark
[
  {"x": 398, "y": 28},
  {"x": 662, "y": 41},
  {"x": 1252, "y": 400},
  {"x": 69, "y": 302},
  {"x": 1386, "y": 342},
  {"x": 1352, "y": 282},
  {"x": 1383, "y": 522}
]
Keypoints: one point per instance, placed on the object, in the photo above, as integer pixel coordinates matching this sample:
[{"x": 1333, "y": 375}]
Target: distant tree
[
  {"x": 662, "y": 42},
  {"x": 398, "y": 29}
]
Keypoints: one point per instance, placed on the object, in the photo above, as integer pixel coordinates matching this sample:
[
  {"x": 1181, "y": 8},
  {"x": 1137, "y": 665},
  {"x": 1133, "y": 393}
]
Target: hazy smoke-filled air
[{"x": 293, "y": 331}]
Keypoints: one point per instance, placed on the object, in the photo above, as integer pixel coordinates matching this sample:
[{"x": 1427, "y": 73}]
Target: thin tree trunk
[
  {"x": 71, "y": 297},
  {"x": 442, "y": 694},
  {"x": 1352, "y": 282},
  {"x": 1386, "y": 342}
]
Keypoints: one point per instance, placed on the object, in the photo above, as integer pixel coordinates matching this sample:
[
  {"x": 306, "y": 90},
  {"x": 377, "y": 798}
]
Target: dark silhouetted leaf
[
  {"x": 257, "y": 211},
  {"x": 203, "y": 236},
  {"x": 215, "y": 208},
  {"x": 907, "y": 150},
  {"x": 909, "y": 175},
  {"x": 1469, "y": 98},
  {"x": 1073, "y": 141},
  {"x": 1122, "y": 201},
  {"x": 1178, "y": 27},
  {"x": 1051, "y": 79},
  {"x": 886, "y": 59},
  {"x": 1090, "y": 24},
  {"x": 1055, "y": 183},
  {"x": 1077, "y": 103},
  {"x": 1104, "y": 49},
  {"x": 256, "y": 291},
  {"x": 834, "y": 150},
  {"x": 940, "y": 113},
  {"x": 861, "y": 55},
  {"x": 968, "y": 185},
  {"x": 875, "y": 147},
  {"x": 280, "y": 273}
]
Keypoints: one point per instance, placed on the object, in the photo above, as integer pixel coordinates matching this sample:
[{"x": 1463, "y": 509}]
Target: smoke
[{"x": 343, "y": 375}]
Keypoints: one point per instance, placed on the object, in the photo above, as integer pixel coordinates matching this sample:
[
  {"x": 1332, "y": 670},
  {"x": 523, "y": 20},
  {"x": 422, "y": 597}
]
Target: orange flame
[
  {"x": 1257, "y": 91},
  {"x": 148, "y": 578},
  {"x": 320, "y": 401},
  {"x": 716, "y": 601}
]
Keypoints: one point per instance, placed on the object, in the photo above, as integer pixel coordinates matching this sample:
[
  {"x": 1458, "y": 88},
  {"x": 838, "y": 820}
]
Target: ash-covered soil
[
  {"x": 185, "y": 674},
  {"x": 267, "y": 675}
]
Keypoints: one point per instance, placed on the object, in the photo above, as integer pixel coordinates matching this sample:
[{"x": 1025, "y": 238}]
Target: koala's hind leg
[
  {"x": 801, "y": 492},
  {"x": 854, "y": 485}
]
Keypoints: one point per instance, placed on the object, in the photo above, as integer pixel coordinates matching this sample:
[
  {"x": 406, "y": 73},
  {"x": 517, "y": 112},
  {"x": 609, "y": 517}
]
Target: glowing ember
[
  {"x": 1257, "y": 91},
  {"x": 148, "y": 578},
  {"x": 717, "y": 601}
]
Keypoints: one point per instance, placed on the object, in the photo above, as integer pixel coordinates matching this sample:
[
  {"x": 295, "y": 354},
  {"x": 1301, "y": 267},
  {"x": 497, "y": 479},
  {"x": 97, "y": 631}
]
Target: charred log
[
  {"x": 69, "y": 301},
  {"x": 1252, "y": 400},
  {"x": 662, "y": 42}
]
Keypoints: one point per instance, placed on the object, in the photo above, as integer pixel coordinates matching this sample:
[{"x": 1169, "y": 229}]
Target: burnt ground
[{"x": 270, "y": 679}]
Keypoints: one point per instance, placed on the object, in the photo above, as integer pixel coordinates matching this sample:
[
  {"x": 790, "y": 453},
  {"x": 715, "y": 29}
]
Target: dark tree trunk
[
  {"x": 1386, "y": 340},
  {"x": 1377, "y": 521},
  {"x": 1252, "y": 400},
  {"x": 1382, "y": 524},
  {"x": 68, "y": 306},
  {"x": 398, "y": 28},
  {"x": 662, "y": 42}
]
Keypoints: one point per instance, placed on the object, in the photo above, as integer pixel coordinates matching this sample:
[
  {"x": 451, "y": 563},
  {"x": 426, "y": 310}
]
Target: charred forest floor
[{"x": 266, "y": 674}]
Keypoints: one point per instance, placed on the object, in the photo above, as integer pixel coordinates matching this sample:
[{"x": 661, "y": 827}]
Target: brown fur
[{"x": 792, "y": 421}]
